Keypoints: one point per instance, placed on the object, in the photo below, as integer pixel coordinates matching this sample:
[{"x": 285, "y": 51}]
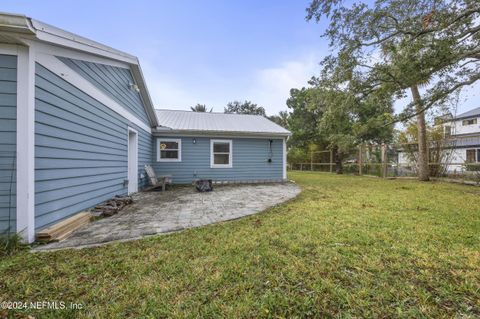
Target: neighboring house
[
  {"x": 462, "y": 138},
  {"x": 463, "y": 134},
  {"x": 77, "y": 127}
]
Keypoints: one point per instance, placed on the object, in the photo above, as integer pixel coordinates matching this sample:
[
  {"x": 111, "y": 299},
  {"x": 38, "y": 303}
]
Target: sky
[{"x": 209, "y": 52}]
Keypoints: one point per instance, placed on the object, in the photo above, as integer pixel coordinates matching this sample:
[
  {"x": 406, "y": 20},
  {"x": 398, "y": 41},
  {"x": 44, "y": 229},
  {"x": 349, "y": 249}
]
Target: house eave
[
  {"x": 16, "y": 23},
  {"x": 24, "y": 29},
  {"x": 162, "y": 131}
]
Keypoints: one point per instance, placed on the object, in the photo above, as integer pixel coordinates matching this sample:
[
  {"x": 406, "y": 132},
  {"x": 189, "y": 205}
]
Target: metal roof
[
  {"x": 210, "y": 122},
  {"x": 472, "y": 113}
]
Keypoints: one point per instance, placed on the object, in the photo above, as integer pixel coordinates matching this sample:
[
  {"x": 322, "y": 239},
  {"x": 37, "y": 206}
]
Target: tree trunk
[
  {"x": 338, "y": 162},
  {"x": 422, "y": 162}
]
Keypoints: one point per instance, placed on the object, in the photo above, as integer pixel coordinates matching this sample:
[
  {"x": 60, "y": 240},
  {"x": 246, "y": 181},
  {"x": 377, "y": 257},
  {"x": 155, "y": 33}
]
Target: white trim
[
  {"x": 62, "y": 42},
  {"x": 44, "y": 48},
  {"x": 227, "y": 135},
  {"x": 8, "y": 49},
  {"x": 132, "y": 166},
  {"x": 177, "y": 140},
  {"x": 49, "y": 33},
  {"x": 230, "y": 155},
  {"x": 59, "y": 68},
  {"x": 26, "y": 143},
  {"x": 284, "y": 168}
]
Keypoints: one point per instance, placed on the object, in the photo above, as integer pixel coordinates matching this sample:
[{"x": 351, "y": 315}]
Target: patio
[{"x": 176, "y": 209}]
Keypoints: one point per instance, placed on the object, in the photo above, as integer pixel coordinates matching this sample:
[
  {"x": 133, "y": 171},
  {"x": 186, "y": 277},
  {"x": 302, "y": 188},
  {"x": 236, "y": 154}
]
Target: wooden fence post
[
  {"x": 384, "y": 160},
  {"x": 360, "y": 160},
  {"x": 331, "y": 161},
  {"x": 311, "y": 161}
]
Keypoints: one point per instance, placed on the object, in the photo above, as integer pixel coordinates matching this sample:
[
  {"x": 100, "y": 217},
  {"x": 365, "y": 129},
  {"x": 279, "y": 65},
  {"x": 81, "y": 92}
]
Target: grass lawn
[{"x": 347, "y": 247}]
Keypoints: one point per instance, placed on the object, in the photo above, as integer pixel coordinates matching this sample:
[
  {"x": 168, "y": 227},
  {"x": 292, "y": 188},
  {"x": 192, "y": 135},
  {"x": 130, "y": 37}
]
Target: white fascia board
[
  {"x": 49, "y": 33},
  {"x": 74, "y": 54},
  {"x": 62, "y": 70},
  {"x": 144, "y": 93},
  {"x": 26, "y": 143},
  {"x": 52, "y": 40},
  {"x": 189, "y": 133}
]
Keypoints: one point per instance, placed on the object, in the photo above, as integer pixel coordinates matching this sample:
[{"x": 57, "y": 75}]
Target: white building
[{"x": 462, "y": 134}]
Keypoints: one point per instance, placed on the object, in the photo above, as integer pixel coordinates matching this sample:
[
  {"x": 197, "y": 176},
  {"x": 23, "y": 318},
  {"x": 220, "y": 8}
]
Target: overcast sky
[{"x": 208, "y": 52}]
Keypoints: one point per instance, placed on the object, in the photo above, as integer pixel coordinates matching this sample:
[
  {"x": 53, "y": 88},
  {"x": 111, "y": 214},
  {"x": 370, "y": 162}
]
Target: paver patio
[{"x": 176, "y": 209}]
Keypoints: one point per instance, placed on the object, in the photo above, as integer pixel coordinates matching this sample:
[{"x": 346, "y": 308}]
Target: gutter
[
  {"x": 163, "y": 131},
  {"x": 17, "y": 23}
]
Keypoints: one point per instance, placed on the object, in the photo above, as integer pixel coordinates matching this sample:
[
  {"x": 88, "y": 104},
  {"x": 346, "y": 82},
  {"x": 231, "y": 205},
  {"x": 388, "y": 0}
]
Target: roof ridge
[{"x": 187, "y": 111}]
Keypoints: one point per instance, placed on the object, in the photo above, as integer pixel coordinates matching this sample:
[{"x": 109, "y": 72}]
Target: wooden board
[{"x": 65, "y": 228}]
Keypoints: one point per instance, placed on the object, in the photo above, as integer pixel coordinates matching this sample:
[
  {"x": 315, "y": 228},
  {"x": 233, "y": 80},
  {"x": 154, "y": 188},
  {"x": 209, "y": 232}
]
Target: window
[
  {"x": 169, "y": 150},
  {"x": 471, "y": 156},
  {"x": 220, "y": 153},
  {"x": 447, "y": 131},
  {"x": 469, "y": 122}
]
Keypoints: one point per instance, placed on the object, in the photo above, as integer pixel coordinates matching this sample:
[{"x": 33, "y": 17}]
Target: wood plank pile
[
  {"x": 112, "y": 206},
  {"x": 63, "y": 229}
]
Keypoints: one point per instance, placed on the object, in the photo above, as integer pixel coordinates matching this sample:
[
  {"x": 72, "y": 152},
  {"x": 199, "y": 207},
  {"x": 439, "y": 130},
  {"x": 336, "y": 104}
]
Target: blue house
[{"x": 77, "y": 127}]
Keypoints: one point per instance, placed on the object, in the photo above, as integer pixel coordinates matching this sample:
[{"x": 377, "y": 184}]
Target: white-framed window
[
  {"x": 469, "y": 122},
  {"x": 169, "y": 150},
  {"x": 220, "y": 153}
]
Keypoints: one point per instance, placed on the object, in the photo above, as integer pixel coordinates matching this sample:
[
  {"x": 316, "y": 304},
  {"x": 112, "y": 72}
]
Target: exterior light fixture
[
  {"x": 194, "y": 140},
  {"x": 134, "y": 87}
]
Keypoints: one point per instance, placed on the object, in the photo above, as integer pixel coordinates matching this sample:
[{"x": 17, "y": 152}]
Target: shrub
[{"x": 10, "y": 244}]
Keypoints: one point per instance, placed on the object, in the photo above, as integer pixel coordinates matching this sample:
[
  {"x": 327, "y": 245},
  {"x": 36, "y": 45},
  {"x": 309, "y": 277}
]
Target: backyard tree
[
  {"x": 200, "y": 108},
  {"x": 281, "y": 119},
  {"x": 440, "y": 151},
  {"x": 246, "y": 107},
  {"x": 304, "y": 118},
  {"x": 430, "y": 48},
  {"x": 338, "y": 119}
]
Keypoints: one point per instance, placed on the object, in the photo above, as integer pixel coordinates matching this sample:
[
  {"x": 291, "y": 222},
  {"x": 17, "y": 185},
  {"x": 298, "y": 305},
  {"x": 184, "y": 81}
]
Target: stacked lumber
[
  {"x": 112, "y": 206},
  {"x": 63, "y": 229}
]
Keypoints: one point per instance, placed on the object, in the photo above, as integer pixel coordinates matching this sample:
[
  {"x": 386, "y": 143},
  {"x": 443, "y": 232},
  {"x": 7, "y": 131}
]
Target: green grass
[{"x": 346, "y": 247}]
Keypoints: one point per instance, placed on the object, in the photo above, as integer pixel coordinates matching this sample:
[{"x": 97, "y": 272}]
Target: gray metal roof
[
  {"x": 472, "y": 113},
  {"x": 206, "y": 122}
]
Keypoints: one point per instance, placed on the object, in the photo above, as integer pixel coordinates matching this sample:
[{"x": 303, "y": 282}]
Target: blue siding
[
  {"x": 8, "y": 142},
  {"x": 145, "y": 155},
  {"x": 250, "y": 163},
  {"x": 80, "y": 150},
  {"x": 114, "y": 81}
]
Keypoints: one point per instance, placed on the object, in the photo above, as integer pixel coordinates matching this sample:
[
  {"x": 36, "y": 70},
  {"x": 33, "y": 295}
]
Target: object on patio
[
  {"x": 112, "y": 206},
  {"x": 63, "y": 229},
  {"x": 157, "y": 181},
  {"x": 204, "y": 185}
]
